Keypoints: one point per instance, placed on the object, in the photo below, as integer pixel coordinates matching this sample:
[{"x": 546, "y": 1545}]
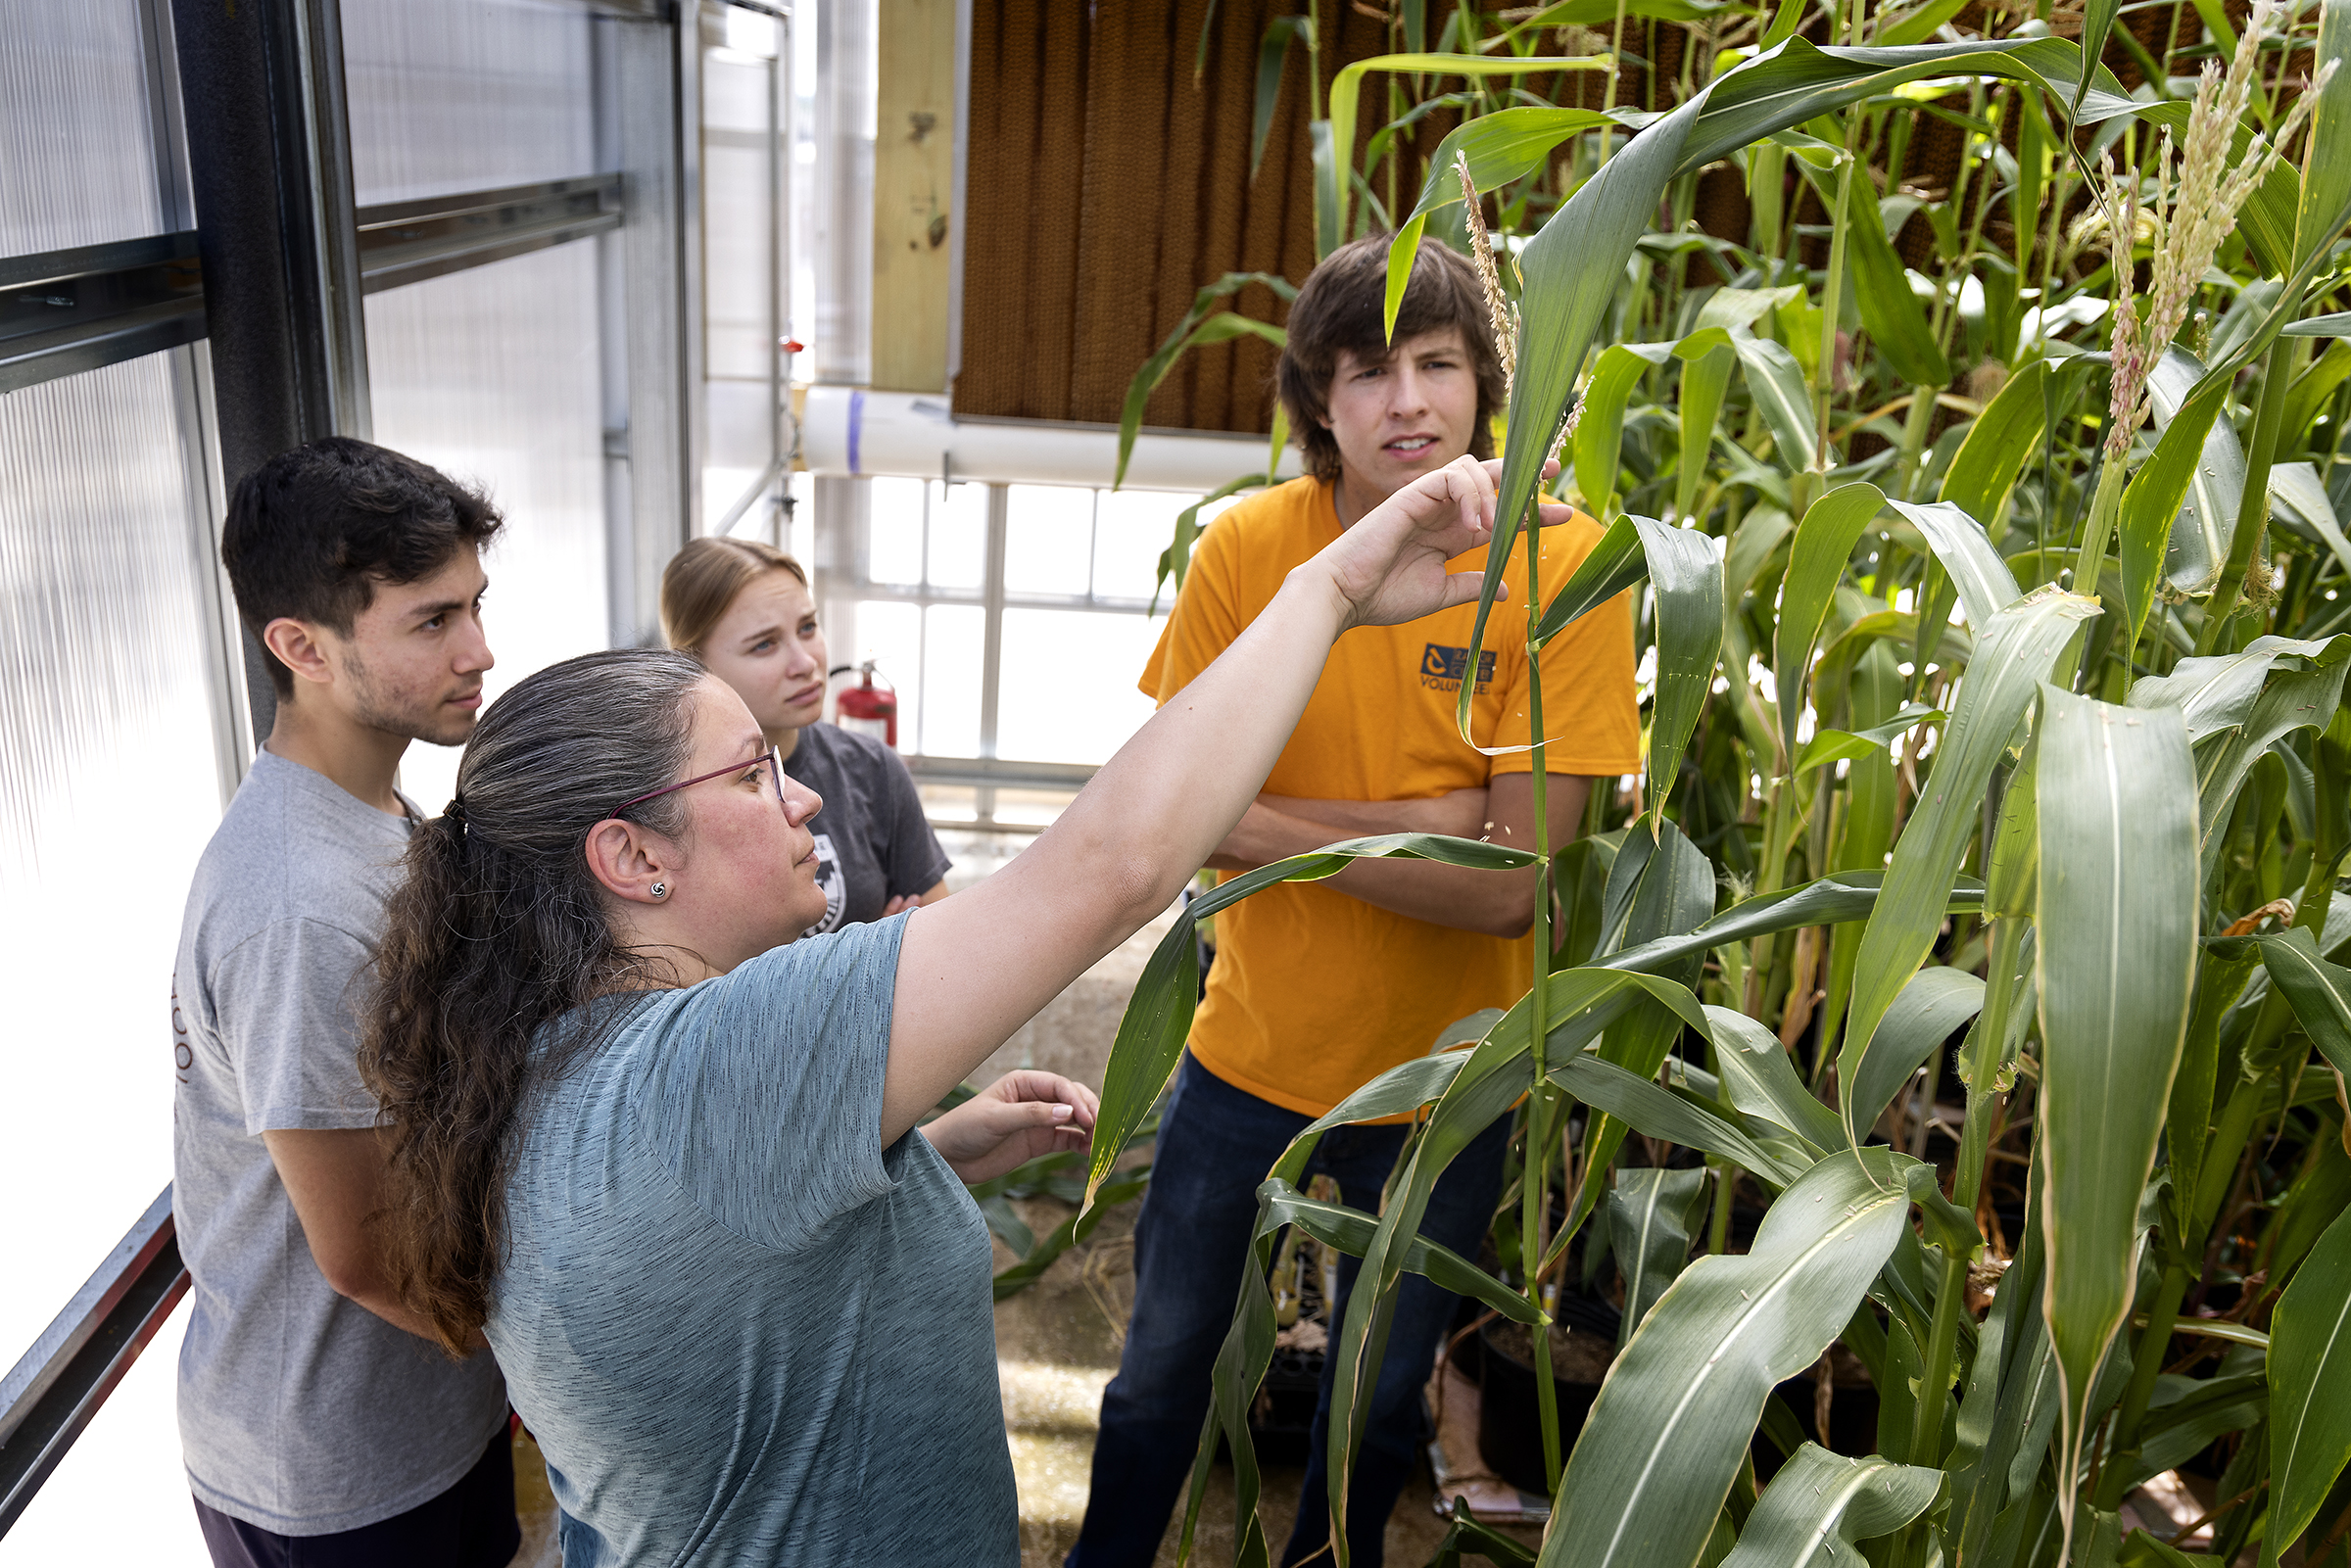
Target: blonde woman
[{"x": 742, "y": 609}]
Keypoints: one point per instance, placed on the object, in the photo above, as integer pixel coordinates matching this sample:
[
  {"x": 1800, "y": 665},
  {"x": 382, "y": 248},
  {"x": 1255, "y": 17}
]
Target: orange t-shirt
[{"x": 1314, "y": 994}]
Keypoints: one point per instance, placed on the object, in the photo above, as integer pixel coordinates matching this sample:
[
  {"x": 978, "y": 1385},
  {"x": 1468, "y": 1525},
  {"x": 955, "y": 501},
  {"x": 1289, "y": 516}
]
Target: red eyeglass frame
[{"x": 775, "y": 769}]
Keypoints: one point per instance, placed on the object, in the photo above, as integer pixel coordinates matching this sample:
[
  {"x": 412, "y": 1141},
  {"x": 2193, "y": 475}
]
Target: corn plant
[{"x": 1995, "y": 613}]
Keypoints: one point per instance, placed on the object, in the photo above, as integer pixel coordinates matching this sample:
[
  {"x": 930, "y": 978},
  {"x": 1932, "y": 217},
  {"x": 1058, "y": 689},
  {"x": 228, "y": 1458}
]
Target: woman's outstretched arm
[{"x": 977, "y": 967}]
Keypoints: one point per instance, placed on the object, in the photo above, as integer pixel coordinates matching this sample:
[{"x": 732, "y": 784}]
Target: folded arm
[{"x": 1495, "y": 903}]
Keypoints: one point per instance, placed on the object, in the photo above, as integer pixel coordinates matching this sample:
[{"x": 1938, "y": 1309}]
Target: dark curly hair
[
  {"x": 497, "y": 932},
  {"x": 1343, "y": 308}
]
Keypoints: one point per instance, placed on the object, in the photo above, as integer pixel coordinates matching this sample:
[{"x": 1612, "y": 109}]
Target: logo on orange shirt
[{"x": 1442, "y": 668}]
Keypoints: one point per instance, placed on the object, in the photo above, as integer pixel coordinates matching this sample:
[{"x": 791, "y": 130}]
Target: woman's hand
[
  {"x": 1016, "y": 1118},
  {"x": 1389, "y": 567}
]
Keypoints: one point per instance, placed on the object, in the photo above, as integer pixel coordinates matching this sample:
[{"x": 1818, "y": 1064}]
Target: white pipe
[{"x": 852, "y": 432}]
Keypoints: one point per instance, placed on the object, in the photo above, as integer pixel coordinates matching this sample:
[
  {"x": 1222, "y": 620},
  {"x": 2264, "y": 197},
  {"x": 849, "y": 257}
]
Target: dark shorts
[{"x": 471, "y": 1525}]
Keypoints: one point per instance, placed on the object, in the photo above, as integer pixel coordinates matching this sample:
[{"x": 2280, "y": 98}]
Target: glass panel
[
  {"x": 891, "y": 636},
  {"x": 895, "y": 553},
  {"x": 466, "y": 95},
  {"x": 491, "y": 374},
  {"x": 738, "y": 234},
  {"x": 953, "y": 661},
  {"x": 1049, "y": 546},
  {"x": 1132, "y": 530},
  {"x": 958, "y": 535},
  {"x": 77, "y": 131},
  {"x": 1068, "y": 691},
  {"x": 108, "y": 794}
]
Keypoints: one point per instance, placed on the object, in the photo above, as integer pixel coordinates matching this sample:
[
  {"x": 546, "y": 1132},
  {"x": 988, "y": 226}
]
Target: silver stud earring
[{"x": 660, "y": 889}]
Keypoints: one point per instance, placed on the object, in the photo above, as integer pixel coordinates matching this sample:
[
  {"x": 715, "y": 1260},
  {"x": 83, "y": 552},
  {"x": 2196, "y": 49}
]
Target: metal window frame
[
  {"x": 853, "y": 581},
  {"x": 48, "y": 1397}
]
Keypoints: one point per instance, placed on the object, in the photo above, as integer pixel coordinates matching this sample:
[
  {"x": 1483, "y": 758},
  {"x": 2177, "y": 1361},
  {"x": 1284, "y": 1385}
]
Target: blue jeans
[{"x": 1216, "y": 1144}]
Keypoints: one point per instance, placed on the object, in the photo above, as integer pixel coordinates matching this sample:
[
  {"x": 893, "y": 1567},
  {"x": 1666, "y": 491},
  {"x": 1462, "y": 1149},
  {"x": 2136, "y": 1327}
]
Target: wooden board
[{"x": 914, "y": 181}]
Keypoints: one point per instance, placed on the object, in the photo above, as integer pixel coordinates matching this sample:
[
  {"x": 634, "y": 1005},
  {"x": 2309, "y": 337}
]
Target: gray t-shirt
[
  {"x": 873, "y": 844},
  {"x": 740, "y": 1329},
  {"x": 300, "y": 1412}
]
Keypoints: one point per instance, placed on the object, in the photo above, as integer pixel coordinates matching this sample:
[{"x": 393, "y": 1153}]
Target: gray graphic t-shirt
[
  {"x": 873, "y": 844},
  {"x": 300, "y": 1412},
  {"x": 740, "y": 1329}
]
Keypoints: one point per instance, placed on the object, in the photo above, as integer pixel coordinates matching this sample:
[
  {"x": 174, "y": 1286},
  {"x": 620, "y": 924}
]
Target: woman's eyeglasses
[{"x": 775, "y": 771}]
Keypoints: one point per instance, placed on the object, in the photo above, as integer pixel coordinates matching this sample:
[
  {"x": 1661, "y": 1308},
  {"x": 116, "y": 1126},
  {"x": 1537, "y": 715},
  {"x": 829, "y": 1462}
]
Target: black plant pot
[
  {"x": 1281, "y": 1421},
  {"x": 1509, "y": 1420}
]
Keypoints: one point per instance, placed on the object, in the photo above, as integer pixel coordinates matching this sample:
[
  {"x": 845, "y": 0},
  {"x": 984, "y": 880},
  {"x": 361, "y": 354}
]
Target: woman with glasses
[
  {"x": 665, "y": 1158},
  {"x": 741, "y": 608}
]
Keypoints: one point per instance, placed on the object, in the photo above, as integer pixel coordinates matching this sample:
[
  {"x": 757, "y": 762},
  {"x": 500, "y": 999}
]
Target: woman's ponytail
[{"x": 498, "y": 932}]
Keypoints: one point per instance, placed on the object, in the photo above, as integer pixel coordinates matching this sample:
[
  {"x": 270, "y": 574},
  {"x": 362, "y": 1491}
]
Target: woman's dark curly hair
[
  {"x": 1343, "y": 308},
  {"x": 497, "y": 934}
]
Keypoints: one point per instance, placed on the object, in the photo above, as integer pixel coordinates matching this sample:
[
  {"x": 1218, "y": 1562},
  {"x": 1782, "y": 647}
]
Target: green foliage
[{"x": 1910, "y": 623}]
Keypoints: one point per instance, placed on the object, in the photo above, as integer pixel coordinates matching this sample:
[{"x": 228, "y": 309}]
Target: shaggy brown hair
[{"x": 1342, "y": 309}]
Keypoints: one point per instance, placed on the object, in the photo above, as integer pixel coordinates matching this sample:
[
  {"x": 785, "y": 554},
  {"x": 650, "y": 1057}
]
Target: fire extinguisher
[{"x": 867, "y": 710}]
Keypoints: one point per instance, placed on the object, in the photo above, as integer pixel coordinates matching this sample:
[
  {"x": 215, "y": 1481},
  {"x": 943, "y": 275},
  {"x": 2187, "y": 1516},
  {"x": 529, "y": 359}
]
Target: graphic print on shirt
[
  {"x": 835, "y": 886},
  {"x": 1442, "y": 668}
]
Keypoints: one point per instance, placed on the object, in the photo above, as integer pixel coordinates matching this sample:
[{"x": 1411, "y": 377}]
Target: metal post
[
  {"x": 269, "y": 160},
  {"x": 991, "y": 638},
  {"x": 644, "y": 122}
]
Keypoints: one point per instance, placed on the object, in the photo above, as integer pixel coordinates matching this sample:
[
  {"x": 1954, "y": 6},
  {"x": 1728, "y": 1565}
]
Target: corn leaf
[
  {"x": 1614, "y": 564},
  {"x": 1999, "y": 443},
  {"x": 2237, "y": 706},
  {"x": 1652, "y": 1215},
  {"x": 1845, "y": 895},
  {"x": 1889, "y": 309},
  {"x": 1670, "y": 1427},
  {"x": 1821, "y": 1501},
  {"x": 1497, "y": 1073},
  {"x": 2207, "y": 520},
  {"x": 2117, "y": 927},
  {"x": 1762, "y": 1083},
  {"x": 1346, "y": 106},
  {"x": 1686, "y": 574},
  {"x": 2019, "y": 645},
  {"x": 1829, "y": 747},
  {"x": 2310, "y": 1388},
  {"x": 1573, "y": 266},
  {"x": 1658, "y": 1112},
  {"x": 1817, "y": 562},
  {"x": 1985, "y": 585},
  {"x": 1707, "y": 358},
  {"x": 2319, "y": 992},
  {"x": 2299, "y": 501},
  {"x": 1600, "y": 429},
  {"x": 1776, "y": 382},
  {"x": 1273, "y": 53},
  {"x": 1935, "y": 1002},
  {"x": 1155, "y": 369},
  {"x": 2327, "y": 162},
  {"x": 1507, "y": 145}
]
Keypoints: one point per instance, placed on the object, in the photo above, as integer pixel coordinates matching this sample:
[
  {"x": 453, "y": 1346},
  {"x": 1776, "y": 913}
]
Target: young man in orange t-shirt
[{"x": 1319, "y": 987}]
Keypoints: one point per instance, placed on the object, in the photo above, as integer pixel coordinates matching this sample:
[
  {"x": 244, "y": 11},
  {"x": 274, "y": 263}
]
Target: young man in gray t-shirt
[{"x": 309, "y": 1407}]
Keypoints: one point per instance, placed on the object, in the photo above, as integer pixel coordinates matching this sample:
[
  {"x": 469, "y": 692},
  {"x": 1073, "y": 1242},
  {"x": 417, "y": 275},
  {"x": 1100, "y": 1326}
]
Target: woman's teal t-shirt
[{"x": 741, "y": 1330}]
